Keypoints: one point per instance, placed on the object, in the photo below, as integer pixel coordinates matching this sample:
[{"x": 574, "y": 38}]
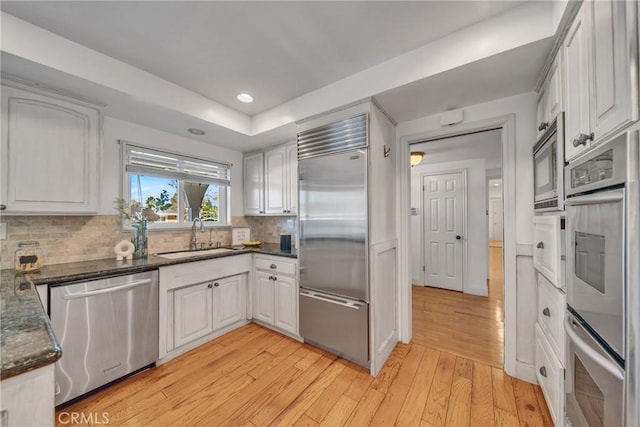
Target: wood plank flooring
[
  {"x": 255, "y": 377},
  {"x": 465, "y": 325}
]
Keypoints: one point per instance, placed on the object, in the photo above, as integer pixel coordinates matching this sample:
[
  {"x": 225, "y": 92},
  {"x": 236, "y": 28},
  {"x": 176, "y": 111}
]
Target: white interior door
[
  {"x": 495, "y": 219},
  {"x": 443, "y": 212}
]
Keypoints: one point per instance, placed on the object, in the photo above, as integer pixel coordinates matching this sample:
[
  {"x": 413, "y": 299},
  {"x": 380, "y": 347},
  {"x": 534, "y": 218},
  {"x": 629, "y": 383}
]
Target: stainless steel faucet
[{"x": 194, "y": 240}]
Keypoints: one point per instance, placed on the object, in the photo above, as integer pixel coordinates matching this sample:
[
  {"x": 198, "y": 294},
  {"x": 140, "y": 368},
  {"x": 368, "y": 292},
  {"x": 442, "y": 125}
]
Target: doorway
[{"x": 457, "y": 300}]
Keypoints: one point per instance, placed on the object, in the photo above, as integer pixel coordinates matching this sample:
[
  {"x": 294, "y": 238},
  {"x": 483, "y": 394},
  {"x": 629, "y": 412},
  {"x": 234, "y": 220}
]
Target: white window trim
[{"x": 225, "y": 196}]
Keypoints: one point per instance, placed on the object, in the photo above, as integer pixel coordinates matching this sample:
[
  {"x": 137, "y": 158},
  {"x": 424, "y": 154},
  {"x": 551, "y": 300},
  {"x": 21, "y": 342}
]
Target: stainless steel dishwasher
[{"x": 107, "y": 328}]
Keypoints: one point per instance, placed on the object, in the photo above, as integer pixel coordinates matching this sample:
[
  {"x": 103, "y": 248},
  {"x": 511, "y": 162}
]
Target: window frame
[{"x": 224, "y": 191}]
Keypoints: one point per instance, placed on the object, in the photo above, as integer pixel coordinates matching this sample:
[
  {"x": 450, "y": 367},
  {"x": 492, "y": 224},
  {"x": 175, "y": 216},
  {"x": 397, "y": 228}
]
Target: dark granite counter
[{"x": 27, "y": 341}]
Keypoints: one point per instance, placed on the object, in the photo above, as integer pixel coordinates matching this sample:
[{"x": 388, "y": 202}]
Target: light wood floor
[
  {"x": 256, "y": 377},
  {"x": 462, "y": 324}
]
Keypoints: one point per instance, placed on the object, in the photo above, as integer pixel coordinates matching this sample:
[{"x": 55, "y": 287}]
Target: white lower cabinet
[
  {"x": 550, "y": 375},
  {"x": 193, "y": 313},
  {"x": 276, "y": 293},
  {"x": 285, "y": 296},
  {"x": 229, "y": 304},
  {"x": 264, "y": 297}
]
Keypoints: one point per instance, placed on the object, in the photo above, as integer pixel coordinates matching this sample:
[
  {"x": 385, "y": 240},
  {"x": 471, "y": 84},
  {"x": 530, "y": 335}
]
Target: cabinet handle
[
  {"x": 209, "y": 286},
  {"x": 546, "y": 312},
  {"x": 543, "y": 371},
  {"x": 273, "y": 266},
  {"x": 540, "y": 245},
  {"x": 261, "y": 211},
  {"x": 3, "y": 207},
  {"x": 274, "y": 278},
  {"x": 543, "y": 126},
  {"x": 583, "y": 138},
  {"x": 4, "y": 418},
  {"x": 216, "y": 284}
]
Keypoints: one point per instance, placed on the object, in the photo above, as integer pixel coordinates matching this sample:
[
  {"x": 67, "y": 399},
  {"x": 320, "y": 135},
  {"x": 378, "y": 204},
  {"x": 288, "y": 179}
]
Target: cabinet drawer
[
  {"x": 276, "y": 265},
  {"x": 551, "y": 312},
  {"x": 550, "y": 375},
  {"x": 547, "y": 250}
]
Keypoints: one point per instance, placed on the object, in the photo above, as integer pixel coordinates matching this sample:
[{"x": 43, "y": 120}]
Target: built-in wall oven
[
  {"x": 595, "y": 324},
  {"x": 548, "y": 168}
]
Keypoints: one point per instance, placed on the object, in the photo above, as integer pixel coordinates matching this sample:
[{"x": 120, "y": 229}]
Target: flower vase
[{"x": 139, "y": 239}]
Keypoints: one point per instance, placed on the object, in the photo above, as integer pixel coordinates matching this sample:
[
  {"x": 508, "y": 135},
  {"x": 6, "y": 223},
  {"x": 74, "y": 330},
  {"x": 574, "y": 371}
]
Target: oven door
[
  {"x": 595, "y": 264},
  {"x": 545, "y": 170},
  {"x": 594, "y": 382}
]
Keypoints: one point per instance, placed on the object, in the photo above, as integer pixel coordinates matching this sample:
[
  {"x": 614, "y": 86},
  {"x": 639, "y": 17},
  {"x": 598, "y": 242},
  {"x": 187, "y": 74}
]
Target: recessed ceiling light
[
  {"x": 496, "y": 184},
  {"x": 195, "y": 131},
  {"x": 244, "y": 97}
]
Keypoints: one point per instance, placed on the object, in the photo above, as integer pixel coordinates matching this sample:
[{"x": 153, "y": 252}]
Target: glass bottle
[{"x": 29, "y": 256}]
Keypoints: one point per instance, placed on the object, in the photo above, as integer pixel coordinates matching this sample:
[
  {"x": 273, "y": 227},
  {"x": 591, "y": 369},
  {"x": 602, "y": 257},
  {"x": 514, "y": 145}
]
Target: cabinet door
[
  {"x": 292, "y": 191},
  {"x": 611, "y": 94},
  {"x": 542, "y": 121},
  {"x": 554, "y": 89},
  {"x": 50, "y": 154},
  {"x": 253, "y": 184},
  {"x": 577, "y": 86},
  {"x": 547, "y": 248},
  {"x": 263, "y": 306},
  {"x": 275, "y": 181},
  {"x": 286, "y": 301},
  {"x": 193, "y": 313},
  {"x": 228, "y": 301},
  {"x": 550, "y": 376}
]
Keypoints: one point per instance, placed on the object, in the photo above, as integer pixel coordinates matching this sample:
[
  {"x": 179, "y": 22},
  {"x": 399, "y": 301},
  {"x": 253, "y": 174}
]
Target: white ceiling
[
  {"x": 416, "y": 58},
  {"x": 277, "y": 51}
]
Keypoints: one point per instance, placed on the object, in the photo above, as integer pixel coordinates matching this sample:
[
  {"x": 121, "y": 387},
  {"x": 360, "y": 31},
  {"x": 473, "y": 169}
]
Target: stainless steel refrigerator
[{"x": 333, "y": 226}]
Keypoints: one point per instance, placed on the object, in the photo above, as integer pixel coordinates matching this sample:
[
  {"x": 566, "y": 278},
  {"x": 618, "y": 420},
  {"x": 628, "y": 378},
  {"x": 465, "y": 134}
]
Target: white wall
[
  {"x": 476, "y": 230},
  {"x": 523, "y": 107},
  {"x": 115, "y": 129}
]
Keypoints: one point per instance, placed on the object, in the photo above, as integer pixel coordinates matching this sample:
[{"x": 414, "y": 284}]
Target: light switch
[{"x": 3, "y": 230}]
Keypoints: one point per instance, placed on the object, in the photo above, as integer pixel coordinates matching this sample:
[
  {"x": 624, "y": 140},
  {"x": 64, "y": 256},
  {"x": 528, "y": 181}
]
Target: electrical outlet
[{"x": 3, "y": 230}]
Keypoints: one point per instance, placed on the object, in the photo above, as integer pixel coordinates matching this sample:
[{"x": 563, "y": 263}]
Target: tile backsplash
[{"x": 79, "y": 238}]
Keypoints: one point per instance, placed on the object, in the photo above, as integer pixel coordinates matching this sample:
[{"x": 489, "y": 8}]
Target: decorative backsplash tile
[{"x": 78, "y": 238}]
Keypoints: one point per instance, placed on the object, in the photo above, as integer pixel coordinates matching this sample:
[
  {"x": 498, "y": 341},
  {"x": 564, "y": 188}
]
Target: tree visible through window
[{"x": 177, "y": 188}]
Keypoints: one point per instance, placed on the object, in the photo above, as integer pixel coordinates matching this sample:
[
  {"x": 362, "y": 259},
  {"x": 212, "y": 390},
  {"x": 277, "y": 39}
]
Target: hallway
[{"x": 465, "y": 325}]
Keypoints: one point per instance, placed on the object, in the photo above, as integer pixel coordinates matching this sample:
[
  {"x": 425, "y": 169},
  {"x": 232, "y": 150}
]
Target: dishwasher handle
[{"x": 108, "y": 290}]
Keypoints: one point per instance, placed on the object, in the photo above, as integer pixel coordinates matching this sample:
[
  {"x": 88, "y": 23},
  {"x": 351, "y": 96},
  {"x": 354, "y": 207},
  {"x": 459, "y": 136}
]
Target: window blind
[{"x": 145, "y": 161}]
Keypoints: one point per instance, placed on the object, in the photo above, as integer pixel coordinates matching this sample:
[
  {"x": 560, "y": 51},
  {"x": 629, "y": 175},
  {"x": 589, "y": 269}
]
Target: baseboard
[
  {"x": 526, "y": 372},
  {"x": 481, "y": 292}
]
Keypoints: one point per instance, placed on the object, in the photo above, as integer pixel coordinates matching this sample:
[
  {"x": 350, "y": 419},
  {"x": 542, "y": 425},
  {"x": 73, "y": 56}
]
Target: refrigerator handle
[{"x": 341, "y": 302}]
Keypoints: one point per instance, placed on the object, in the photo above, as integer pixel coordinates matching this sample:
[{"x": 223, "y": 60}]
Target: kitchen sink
[{"x": 192, "y": 253}]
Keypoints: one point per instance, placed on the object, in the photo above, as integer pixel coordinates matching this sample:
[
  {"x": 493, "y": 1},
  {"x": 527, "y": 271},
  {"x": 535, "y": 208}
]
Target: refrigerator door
[
  {"x": 333, "y": 224},
  {"x": 338, "y": 325}
]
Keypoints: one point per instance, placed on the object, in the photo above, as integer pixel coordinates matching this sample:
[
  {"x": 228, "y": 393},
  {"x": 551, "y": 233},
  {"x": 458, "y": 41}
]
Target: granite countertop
[{"x": 27, "y": 341}]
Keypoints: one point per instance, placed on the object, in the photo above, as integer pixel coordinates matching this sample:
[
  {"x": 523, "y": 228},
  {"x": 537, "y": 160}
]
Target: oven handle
[
  {"x": 605, "y": 363},
  {"x": 107, "y": 290},
  {"x": 612, "y": 196}
]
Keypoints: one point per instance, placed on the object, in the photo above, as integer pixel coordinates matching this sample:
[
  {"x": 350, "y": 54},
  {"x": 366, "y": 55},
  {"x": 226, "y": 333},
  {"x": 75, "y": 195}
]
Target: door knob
[
  {"x": 540, "y": 245},
  {"x": 543, "y": 371},
  {"x": 458, "y": 237}
]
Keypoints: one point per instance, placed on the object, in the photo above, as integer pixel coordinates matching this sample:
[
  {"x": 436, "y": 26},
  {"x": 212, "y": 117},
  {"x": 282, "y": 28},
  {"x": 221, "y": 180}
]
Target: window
[{"x": 176, "y": 188}]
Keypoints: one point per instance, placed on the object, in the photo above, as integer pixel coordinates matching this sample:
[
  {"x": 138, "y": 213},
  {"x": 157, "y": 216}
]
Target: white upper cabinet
[
  {"x": 292, "y": 179},
  {"x": 611, "y": 94},
  {"x": 271, "y": 182},
  {"x": 576, "y": 87},
  {"x": 50, "y": 154},
  {"x": 253, "y": 184},
  {"x": 599, "y": 52},
  {"x": 275, "y": 180},
  {"x": 550, "y": 97}
]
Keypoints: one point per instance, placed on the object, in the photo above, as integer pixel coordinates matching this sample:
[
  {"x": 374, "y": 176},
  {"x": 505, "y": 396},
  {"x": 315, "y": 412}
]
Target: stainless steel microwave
[{"x": 548, "y": 168}]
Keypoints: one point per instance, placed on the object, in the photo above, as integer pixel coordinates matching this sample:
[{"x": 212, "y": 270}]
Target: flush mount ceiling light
[
  {"x": 416, "y": 157},
  {"x": 194, "y": 131},
  {"x": 244, "y": 97}
]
